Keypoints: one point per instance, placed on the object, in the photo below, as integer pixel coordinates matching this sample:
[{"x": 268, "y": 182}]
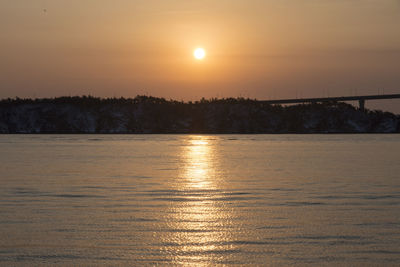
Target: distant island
[{"x": 152, "y": 115}]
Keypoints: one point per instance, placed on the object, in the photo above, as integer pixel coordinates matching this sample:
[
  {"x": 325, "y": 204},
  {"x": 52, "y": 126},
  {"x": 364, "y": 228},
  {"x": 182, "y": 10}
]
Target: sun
[{"x": 199, "y": 53}]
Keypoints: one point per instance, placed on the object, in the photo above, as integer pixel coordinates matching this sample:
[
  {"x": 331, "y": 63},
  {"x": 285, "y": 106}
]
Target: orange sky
[{"x": 258, "y": 49}]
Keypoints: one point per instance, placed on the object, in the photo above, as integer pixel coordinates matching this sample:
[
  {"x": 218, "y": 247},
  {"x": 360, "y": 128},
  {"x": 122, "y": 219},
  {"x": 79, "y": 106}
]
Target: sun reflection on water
[
  {"x": 198, "y": 169},
  {"x": 198, "y": 223}
]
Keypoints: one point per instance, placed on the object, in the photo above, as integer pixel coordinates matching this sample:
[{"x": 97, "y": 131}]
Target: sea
[{"x": 200, "y": 200}]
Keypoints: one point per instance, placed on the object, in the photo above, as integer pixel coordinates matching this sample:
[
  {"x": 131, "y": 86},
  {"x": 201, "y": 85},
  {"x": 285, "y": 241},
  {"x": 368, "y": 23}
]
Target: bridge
[{"x": 361, "y": 99}]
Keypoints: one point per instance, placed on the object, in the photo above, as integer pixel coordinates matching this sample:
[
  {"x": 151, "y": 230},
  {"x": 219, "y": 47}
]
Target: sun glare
[{"x": 199, "y": 53}]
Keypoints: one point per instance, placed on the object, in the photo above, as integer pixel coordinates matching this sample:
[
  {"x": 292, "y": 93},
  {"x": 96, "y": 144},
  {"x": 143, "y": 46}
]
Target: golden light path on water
[
  {"x": 199, "y": 223},
  {"x": 199, "y": 164}
]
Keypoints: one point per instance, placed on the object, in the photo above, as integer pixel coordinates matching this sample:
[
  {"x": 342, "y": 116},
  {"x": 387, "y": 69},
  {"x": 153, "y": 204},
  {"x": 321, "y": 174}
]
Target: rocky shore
[{"x": 152, "y": 115}]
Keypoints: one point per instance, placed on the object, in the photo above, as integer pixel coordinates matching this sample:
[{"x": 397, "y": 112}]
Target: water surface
[{"x": 199, "y": 200}]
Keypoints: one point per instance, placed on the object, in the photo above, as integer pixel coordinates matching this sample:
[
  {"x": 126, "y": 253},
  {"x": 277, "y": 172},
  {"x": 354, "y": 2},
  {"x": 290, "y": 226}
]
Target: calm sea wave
[{"x": 136, "y": 200}]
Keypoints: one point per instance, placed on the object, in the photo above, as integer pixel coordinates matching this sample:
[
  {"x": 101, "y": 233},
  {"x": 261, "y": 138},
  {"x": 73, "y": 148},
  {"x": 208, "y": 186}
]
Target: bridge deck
[{"x": 332, "y": 99}]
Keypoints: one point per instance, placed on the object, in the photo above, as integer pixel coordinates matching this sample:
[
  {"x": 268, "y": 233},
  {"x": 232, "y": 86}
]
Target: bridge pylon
[{"x": 362, "y": 104}]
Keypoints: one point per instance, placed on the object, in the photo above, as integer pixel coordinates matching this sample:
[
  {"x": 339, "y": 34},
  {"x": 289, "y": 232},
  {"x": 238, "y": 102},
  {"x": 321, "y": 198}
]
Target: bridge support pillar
[{"x": 362, "y": 104}]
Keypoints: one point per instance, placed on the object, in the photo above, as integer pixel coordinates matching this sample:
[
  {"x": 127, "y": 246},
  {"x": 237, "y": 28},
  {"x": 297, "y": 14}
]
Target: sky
[{"x": 264, "y": 49}]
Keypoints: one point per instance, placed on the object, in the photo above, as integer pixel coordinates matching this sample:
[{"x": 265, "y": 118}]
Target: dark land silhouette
[{"x": 152, "y": 115}]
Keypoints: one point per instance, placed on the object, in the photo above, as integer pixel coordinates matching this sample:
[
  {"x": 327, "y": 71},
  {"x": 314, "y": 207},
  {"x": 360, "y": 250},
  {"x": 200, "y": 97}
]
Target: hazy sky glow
[{"x": 255, "y": 48}]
